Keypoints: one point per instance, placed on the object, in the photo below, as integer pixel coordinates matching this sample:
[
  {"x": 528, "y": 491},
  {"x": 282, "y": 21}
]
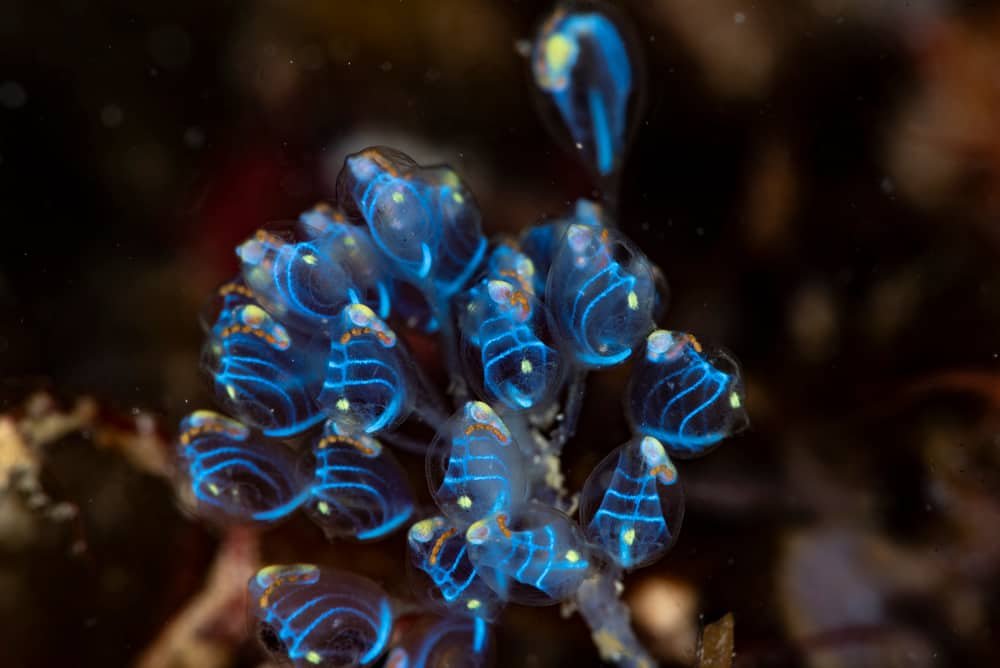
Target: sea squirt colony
[{"x": 303, "y": 348}]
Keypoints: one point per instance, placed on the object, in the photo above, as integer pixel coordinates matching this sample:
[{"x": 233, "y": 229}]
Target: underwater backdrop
[{"x": 815, "y": 181}]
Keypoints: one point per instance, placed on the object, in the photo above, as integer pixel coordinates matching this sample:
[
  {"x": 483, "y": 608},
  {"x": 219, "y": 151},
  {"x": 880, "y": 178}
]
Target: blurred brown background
[{"x": 817, "y": 178}]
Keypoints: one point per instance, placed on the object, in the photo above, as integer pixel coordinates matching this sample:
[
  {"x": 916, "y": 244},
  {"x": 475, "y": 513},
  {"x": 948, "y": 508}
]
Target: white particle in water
[
  {"x": 112, "y": 116},
  {"x": 12, "y": 95}
]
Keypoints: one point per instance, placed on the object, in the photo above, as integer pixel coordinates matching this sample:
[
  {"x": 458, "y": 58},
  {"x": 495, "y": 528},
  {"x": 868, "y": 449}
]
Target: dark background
[{"x": 817, "y": 179}]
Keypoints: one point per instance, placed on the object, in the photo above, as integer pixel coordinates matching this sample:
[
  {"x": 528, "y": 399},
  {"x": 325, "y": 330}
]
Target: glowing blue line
[{"x": 601, "y": 131}]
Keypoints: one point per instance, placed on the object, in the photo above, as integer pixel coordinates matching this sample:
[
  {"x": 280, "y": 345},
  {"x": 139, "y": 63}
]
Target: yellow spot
[
  {"x": 310, "y": 259},
  {"x": 458, "y": 197},
  {"x": 213, "y": 488},
  {"x": 633, "y": 301},
  {"x": 526, "y": 366},
  {"x": 572, "y": 556},
  {"x": 314, "y": 657},
  {"x": 343, "y": 405},
  {"x": 397, "y": 197},
  {"x": 465, "y": 502},
  {"x": 735, "y": 401},
  {"x": 323, "y": 507},
  {"x": 231, "y": 391},
  {"x": 557, "y": 51},
  {"x": 350, "y": 241},
  {"x": 474, "y": 604},
  {"x": 628, "y": 536},
  {"x": 422, "y": 530}
]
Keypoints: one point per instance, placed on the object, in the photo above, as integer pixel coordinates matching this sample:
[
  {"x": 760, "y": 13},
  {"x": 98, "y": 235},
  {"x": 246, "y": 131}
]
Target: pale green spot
[
  {"x": 397, "y": 197},
  {"x": 464, "y": 502},
  {"x": 314, "y": 657},
  {"x": 323, "y": 507},
  {"x": 310, "y": 259},
  {"x": 629, "y": 536},
  {"x": 526, "y": 366},
  {"x": 557, "y": 51},
  {"x": 633, "y": 301},
  {"x": 473, "y": 604},
  {"x": 343, "y": 405},
  {"x": 572, "y": 556},
  {"x": 734, "y": 400}
]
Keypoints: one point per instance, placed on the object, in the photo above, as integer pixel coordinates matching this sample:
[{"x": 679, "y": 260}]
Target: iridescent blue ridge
[
  {"x": 535, "y": 556},
  {"x": 507, "y": 350},
  {"x": 463, "y": 245},
  {"x": 424, "y": 221},
  {"x": 309, "y": 282},
  {"x": 475, "y": 468},
  {"x": 602, "y": 292},
  {"x": 687, "y": 399},
  {"x": 374, "y": 184},
  {"x": 438, "y": 549},
  {"x": 234, "y": 477},
  {"x": 632, "y": 504},
  {"x": 358, "y": 490},
  {"x": 445, "y": 642},
  {"x": 263, "y": 373},
  {"x": 367, "y": 387},
  {"x": 541, "y": 242},
  {"x": 313, "y": 617},
  {"x": 581, "y": 62}
]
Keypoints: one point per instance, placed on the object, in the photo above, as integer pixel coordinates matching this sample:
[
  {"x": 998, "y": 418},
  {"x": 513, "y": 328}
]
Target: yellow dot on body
[
  {"x": 526, "y": 366},
  {"x": 314, "y": 657},
  {"x": 628, "y": 536},
  {"x": 397, "y": 197},
  {"x": 323, "y": 507},
  {"x": 231, "y": 391},
  {"x": 633, "y": 301},
  {"x": 458, "y": 197},
  {"x": 474, "y": 604},
  {"x": 572, "y": 556},
  {"x": 557, "y": 51},
  {"x": 310, "y": 259},
  {"x": 213, "y": 488},
  {"x": 735, "y": 401},
  {"x": 343, "y": 405},
  {"x": 350, "y": 241},
  {"x": 464, "y": 502}
]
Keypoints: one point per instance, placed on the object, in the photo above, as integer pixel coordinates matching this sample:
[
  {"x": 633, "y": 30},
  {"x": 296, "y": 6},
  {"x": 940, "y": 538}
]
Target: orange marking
[
  {"x": 230, "y": 288},
  {"x": 290, "y": 579},
  {"x": 604, "y": 236},
  {"x": 262, "y": 235},
  {"x": 357, "y": 445},
  {"x": 247, "y": 329},
  {"x": 361, "y": 331},
  {"x": 380, "y": 160},
  {"x": 663, "y": 468},
  {"x": 678, "y": 346},
  {"x": 479, "y": 426},
  {"x": 518, "y": 299},
  {"x": 502, "y": 523},
  {"x": 439, "y": 544},
  {"x": 191, "y": 433}
]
